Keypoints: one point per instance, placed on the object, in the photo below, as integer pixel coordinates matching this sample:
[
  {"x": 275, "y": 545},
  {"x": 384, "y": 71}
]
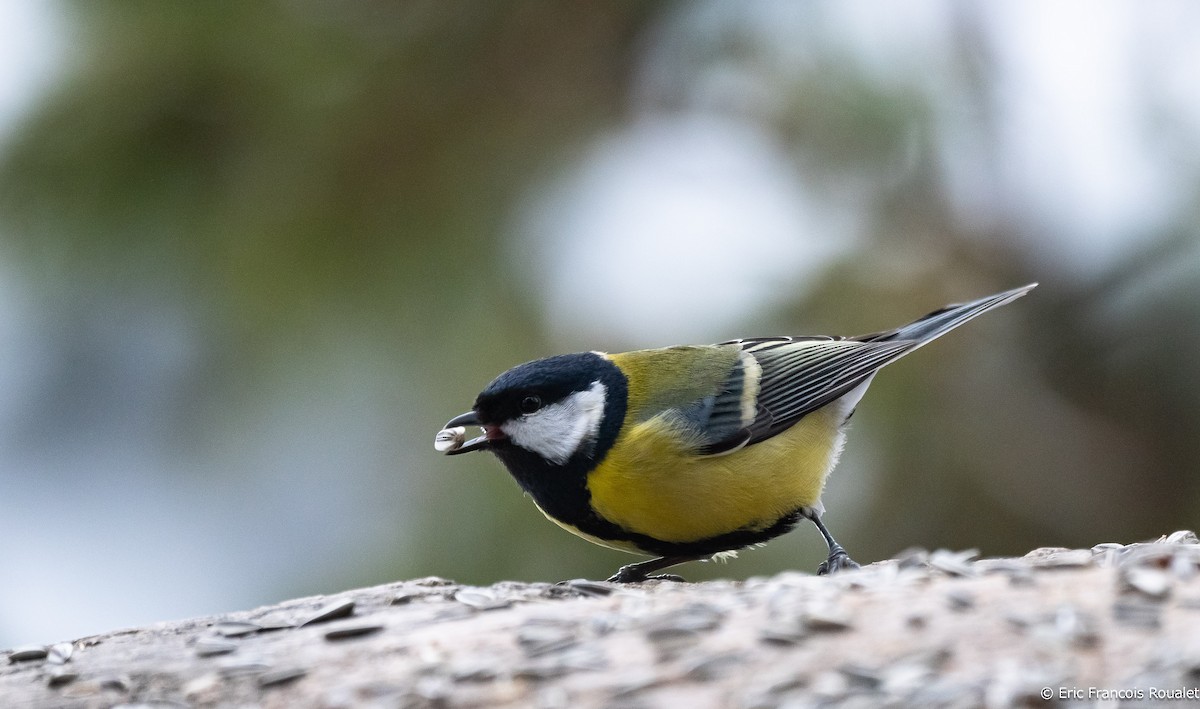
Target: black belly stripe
[
  {"x": 561, "y": 492},
  {"x": 738, "y": 539}
]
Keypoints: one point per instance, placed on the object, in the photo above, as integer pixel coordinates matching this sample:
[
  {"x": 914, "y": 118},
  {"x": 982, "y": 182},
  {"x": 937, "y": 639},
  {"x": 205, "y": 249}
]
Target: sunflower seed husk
[
  {"x": 61, "y": 677},
  {"x": 353, "y": 631},
  {"x": 826, "y": 617},
  {"x": 283, "y": 675},
  {"x": 448, "y": 440},
  {"x": 1152, "y": 583},
  {"x": 236, "y": 628},
  {"x": 117, "y": 683},
  {"x": 481, "y": 600},
  {"x": 787, "y": 633},
  {"x": 861, "y": 676},
  {"x": 584, "y": 587},
  {"x": 955, "y": 563},
  {"x": 25, "y": 653},
  {"x": 405, "y": 597},
  {"x": 213, "y": 646},
  {"x": 330, "y": 611},
  {"x": 238, "y": 667},
  {"x": 60, "y": 653},
  {"x": 1183, "y": 536},
  {"x": 1060, "y": 558}
]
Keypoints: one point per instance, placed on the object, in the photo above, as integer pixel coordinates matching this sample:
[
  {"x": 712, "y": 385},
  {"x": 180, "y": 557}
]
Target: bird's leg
[
  {"x": 838, "y": 559},
  {"x": 633, "y": 573}
]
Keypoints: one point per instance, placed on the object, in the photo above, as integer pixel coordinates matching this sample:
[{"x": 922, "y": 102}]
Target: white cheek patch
[{"x": 556, "y": 432}]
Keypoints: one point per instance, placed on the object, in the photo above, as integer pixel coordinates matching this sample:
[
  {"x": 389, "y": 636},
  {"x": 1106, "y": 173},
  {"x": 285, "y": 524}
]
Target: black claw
[
  {"x": 625, "y": 574},
  {"x": 628, "y": 574},
  {"x": 837, "y": 561},
  {"x": 668, "y": 577},
  {"x": 636, "y": 573}
]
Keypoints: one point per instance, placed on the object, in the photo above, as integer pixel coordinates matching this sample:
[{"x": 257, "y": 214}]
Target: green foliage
[{"x": 328, "y": 186}]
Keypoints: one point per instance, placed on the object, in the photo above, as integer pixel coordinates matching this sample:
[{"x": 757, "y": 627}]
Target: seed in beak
[{"x": 449, "y": 439}]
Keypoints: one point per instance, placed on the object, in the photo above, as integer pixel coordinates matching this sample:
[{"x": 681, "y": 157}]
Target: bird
[{"x": 689, "y": 452}]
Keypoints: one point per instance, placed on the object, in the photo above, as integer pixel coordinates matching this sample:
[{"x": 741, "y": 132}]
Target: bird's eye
[{"x": 530, "y": 404}]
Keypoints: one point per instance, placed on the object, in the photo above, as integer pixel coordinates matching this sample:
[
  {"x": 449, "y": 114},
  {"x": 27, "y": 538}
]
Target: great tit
[{"x": 686, "y": 452}]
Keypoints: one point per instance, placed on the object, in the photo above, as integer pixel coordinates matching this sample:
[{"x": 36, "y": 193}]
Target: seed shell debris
[
  {"x": 273, "y": 678},
  {"x": 331, "y": 611},
  {"x": 236, "y": 628},
  {"x": 214, "y": 646},
  {"x": 482, "y": 600},
  {"x": 353, "y": 631},
  {"x": 60, "y": 653},
  {"x": 61, "y": 677},
  {"x": 26, "y": 653}
]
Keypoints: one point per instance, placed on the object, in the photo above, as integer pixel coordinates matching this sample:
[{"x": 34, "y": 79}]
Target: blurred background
[{"x": 253, "y": 255}]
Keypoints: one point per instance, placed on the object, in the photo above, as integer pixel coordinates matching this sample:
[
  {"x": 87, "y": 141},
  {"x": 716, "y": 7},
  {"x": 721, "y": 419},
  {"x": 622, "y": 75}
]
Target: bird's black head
[{"x": 557, "y": 409}]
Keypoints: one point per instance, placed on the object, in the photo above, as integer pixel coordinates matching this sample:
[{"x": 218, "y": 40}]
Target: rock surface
[{"x": 926, "y": 629}]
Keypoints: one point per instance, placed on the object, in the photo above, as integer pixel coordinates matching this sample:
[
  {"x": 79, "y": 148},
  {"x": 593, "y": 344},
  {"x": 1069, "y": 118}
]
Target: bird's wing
[
  {"x": 788, "y": 377},
  {"x": 780, "y": 379}
]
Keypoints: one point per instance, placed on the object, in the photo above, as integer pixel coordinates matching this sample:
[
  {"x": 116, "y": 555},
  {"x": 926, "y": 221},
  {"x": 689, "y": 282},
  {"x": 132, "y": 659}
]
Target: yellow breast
[{"x": 649, "y": 484}]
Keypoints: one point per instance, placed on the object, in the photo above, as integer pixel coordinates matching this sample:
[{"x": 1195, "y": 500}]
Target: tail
[{"x": 943, "y": 320}]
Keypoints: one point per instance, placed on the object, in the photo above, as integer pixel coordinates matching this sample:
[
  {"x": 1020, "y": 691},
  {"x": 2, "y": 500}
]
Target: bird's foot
[
  {"x": 636, "y": 573},
  {"x": 839, "y": 560}
]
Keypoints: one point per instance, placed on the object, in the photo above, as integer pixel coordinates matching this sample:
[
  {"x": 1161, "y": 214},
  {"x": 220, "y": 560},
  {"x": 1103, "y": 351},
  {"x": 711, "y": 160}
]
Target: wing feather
[
  {"x": 806, "y": 375},
  {"x": 788, "y": 377},
  {"x": 778, "y": 380}
]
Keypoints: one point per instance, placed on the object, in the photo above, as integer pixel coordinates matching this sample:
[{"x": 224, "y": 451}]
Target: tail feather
[{"x": 943, "y": 320}]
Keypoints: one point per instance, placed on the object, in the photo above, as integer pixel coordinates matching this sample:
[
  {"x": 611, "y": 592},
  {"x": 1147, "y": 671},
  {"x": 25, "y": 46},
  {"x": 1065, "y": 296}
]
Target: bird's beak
[{"x": 469, "y": 419}]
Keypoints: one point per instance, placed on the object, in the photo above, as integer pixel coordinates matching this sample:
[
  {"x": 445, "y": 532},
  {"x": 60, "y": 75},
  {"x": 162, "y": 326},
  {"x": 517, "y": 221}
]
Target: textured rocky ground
[{"x": 926, "y": 629}]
